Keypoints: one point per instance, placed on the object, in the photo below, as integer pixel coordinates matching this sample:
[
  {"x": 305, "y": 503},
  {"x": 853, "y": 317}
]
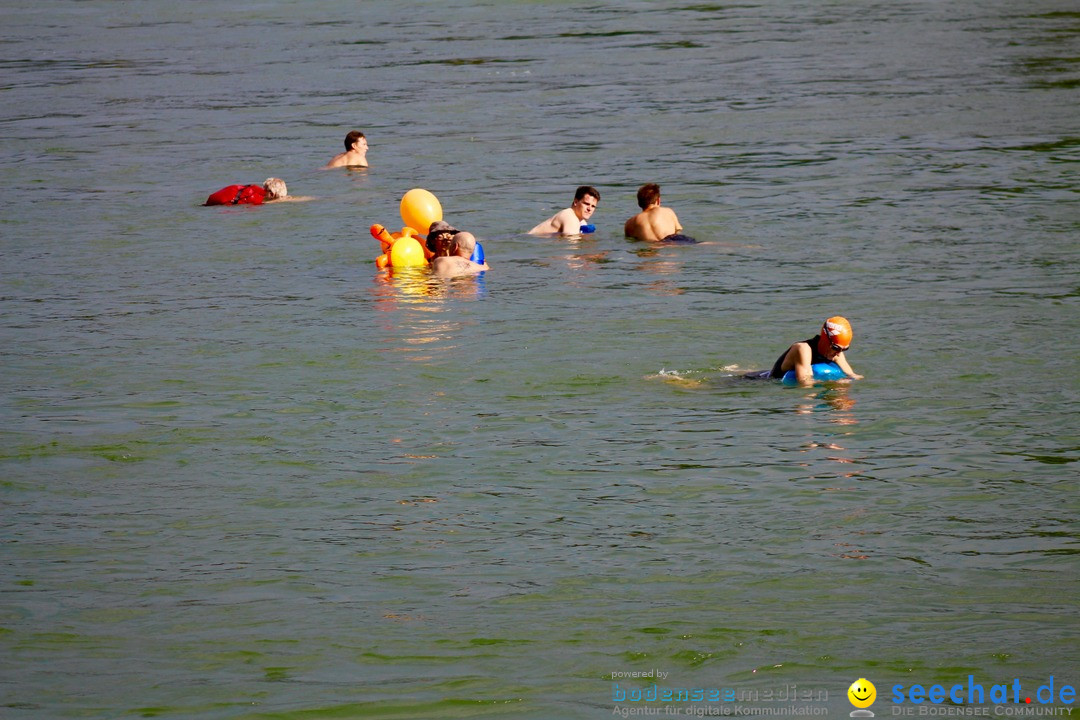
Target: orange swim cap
[{"x": 837, "y": 330}]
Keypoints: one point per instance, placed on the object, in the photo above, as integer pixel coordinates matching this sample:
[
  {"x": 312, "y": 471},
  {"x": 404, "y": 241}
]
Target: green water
[{"x": 243, "y": 474}]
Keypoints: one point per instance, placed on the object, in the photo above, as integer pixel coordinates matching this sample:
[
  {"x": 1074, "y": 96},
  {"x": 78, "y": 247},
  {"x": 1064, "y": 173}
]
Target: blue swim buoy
[
  {"x": 823, "y": 372},
  {"x": 478, "y": 254},
  {"x": 588, "y": 228}
]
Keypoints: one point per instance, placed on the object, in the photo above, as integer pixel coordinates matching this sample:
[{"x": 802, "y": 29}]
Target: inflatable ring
[{"x": 823, "y": 372}]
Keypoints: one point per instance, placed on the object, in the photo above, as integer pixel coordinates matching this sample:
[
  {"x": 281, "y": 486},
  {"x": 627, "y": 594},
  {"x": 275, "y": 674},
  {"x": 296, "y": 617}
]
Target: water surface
[{"x": 246, "y": 475}]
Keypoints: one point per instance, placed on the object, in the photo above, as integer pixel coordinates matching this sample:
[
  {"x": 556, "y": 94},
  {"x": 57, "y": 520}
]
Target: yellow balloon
[
  {"x": 407, "y": 252},
  {"x": 419, "y": 208}
]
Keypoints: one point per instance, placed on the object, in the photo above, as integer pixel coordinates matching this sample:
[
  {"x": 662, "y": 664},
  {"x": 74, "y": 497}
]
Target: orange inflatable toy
[
  {"x": 419, "y": 208},
  {"x": 389, "y": 241}
]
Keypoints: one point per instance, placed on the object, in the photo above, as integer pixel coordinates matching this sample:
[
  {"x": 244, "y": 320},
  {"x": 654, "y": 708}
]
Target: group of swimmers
[
  {"x": 452, "y": 251},
  {"x": 274, "y": 189},
  {"x": 656, "y": 223},
  {"x": 653, "y": 224}
]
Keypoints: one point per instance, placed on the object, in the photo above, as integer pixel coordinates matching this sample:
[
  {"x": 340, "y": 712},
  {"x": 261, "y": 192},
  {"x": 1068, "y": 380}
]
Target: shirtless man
[
  {"x": 355, "y": 154},
  {"x": 459, "y": 263},
  {"x": 574, "y": 220},
  {"x": 654, "y": 223}
]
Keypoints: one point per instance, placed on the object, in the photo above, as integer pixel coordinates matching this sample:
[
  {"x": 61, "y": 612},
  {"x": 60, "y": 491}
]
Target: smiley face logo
[{"x": 862, "y": 693}]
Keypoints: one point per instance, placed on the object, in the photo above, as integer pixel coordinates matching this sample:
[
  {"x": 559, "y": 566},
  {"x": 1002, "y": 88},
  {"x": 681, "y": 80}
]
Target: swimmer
[
  {"x": 272, "y": 190},
  {"x": 654, "y": 223},
  {"x": 355, "y": 154},
  {"x": 826, "y": 347},
  {"x": 459, "y": 263},
  {"x": 440, "y": 239},
  {"x": 574, "y": 220}
]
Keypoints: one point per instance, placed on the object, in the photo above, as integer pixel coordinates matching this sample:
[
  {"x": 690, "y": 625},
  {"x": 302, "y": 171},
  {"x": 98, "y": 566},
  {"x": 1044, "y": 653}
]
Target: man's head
[
  {"x": 835, "y": 336},
  {"x": 464, "y": 244},
  {"x": 648, "y": 194},
  {"x": 352, "y": 138},
  {"x": 275, "y": 189},
  {"x": 586, "y": 199}
]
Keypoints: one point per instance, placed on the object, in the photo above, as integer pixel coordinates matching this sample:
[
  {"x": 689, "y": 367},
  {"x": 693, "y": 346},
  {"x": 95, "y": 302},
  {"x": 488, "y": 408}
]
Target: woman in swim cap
[
  {"x": 835, "y": 336},
  {"x": 828, "y": 346}
]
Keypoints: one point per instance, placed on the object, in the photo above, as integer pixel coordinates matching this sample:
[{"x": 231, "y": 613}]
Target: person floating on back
[
  {"x": 654, "y": 223},
  {"x": 271, "y": 190},
  {"x": 574, "y": 220},
  {"x": 828, "y": 346},
  {"x": 355, "y": 154}
]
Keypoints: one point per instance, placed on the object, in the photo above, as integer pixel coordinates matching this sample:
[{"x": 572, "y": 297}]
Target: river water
[{"x": 243, "y": 474}]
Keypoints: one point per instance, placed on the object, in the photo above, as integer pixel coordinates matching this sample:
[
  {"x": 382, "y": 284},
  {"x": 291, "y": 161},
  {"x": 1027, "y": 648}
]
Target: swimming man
[
  {"x": 654, "y": 223},
  {"x": 355, "y": 154},
  {"x": 574, "y": 220}
]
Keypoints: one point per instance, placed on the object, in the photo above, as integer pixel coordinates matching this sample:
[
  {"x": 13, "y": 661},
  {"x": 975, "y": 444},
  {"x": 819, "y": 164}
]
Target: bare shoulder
[
  {"x": 545, "y": 228},
  {"x": 561, "y": 223},
  {"x": 566, "y": 222}
]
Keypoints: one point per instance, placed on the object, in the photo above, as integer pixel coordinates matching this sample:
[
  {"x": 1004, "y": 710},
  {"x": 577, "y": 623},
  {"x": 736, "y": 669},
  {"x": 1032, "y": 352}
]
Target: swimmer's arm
[
  {"x": 675, "y": 218},
  {"x": 566, "y": 222},
  {"x": 292, "y": 198},
  {"x": 545, "y": 228},
  {"x": 804, "y": 371},
  {"x": 842, "y": 362}
]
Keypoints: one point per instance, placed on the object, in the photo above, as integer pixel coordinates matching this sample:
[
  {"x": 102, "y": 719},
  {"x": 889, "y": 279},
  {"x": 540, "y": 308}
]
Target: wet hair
[
  {"x": 647, "y": 194},
  {"x": 275, "y": 188},
  {"x": 351, "y": 139},
  {"x": 584, "y": 190}
]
